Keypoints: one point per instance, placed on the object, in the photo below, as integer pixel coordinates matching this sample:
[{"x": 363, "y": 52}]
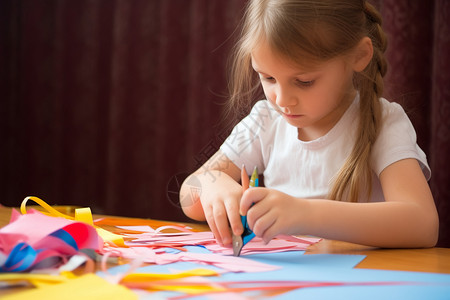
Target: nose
[{"x": 285, "y": 96}]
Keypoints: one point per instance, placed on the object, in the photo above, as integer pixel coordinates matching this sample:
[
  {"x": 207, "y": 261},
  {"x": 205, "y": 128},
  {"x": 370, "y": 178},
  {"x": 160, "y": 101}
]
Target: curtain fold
[
  {"x": 111, "y": 103},
  {"x": 439, "y": 118}
]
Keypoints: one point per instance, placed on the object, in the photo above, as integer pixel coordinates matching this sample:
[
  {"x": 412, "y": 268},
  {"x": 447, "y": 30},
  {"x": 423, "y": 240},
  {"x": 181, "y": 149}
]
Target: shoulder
[
  {"x": 250, "y": 140},
  {"x": 392, "y": 112},
  {"x": 395, "y": 123},
  {"x": 396, "y": 140}
]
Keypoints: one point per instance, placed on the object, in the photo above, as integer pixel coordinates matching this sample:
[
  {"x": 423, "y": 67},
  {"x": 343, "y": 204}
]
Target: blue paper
[{"x": 325, "y": 268}]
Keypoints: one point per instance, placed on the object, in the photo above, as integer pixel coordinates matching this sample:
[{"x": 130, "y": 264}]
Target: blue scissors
[{"x": 239, "y": 241}]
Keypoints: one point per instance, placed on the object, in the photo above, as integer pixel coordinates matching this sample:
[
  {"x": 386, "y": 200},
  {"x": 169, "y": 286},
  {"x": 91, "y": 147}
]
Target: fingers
[
  {"x": 259, "y": 218},
  {"x": 209, "y": 215},
  {"x": 220, "y": 216},
  {"x": 263, "y": 219},
  {"x": 266, "y": 227},
  {"x": 234, "y": 218},
  {"x": 250, "y": 197},
  {"x": 221, "y": 222}
]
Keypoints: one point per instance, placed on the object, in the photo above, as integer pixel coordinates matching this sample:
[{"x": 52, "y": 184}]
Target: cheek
[{"x": 270, "y": 93}]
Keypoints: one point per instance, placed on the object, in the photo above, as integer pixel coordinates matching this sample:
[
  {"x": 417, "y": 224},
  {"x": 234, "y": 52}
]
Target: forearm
[{"x": 384, "y": 224}]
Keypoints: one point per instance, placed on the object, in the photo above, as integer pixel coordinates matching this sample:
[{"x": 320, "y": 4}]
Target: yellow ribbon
[{"x": 81, "y": 215}]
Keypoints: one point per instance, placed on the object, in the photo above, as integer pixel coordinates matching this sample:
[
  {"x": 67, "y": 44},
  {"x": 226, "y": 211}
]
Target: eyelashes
[
  {"x": 298, "y": 82},
  {"x": 305, "y": 83}
]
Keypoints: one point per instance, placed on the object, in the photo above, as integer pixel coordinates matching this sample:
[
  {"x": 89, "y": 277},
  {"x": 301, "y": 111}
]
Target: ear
[{"x": 363, "y": 54}]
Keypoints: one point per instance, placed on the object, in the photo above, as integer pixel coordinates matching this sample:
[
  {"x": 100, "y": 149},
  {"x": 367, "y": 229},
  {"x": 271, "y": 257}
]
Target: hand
[
  {"x": 220, "y": 202},
  {"x": 272, "y": 213}
]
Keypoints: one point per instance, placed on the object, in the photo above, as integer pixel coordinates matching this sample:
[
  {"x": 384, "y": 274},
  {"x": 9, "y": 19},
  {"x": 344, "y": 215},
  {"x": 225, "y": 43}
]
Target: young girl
[{"x": 339, "y": 161}]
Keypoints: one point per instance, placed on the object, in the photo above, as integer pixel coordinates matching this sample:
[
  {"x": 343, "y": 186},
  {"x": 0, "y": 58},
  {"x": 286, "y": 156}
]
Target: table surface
[{"x": 435, "y": 260}]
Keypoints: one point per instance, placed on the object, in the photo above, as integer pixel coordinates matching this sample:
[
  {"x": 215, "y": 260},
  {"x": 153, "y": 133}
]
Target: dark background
[{"x": 110, "y": 103}]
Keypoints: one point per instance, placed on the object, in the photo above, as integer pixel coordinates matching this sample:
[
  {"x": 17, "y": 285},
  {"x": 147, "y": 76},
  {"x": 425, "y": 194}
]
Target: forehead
[
  {"x": 264, "y": 56},
  {"x": 264, "y": 60}
]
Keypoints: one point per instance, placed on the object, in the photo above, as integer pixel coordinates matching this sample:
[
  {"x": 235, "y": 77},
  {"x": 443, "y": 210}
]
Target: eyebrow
[{"x": 297, "y": 74}]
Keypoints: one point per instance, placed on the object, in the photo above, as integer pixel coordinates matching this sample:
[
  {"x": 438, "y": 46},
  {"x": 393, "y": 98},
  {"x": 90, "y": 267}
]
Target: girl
[{"x": 339, "y": 161}]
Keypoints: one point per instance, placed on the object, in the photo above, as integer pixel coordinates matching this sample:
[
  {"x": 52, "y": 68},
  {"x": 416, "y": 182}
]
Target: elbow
[
  {"x": 190, "y": 202},
  {"x": 430, "y": 233},
  {"x": 433, "y": 233}
]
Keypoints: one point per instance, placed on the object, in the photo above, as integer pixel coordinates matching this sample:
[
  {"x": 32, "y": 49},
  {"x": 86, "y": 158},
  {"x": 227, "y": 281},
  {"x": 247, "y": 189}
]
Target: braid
[{"x": 357, "y": 172}]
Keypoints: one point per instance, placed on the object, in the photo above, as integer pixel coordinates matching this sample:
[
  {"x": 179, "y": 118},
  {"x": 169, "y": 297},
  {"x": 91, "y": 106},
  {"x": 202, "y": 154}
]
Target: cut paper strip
[
  {"x": 229, "y": 263},
  {"x": 89, "y": 286},
  {"x": 147, "y": 231},
  {"x": 147, "y": 277},
  {"x": 257, "y": 245},
  {"x": 35, "y": 239},
  {"x": 33, "y": 278}
]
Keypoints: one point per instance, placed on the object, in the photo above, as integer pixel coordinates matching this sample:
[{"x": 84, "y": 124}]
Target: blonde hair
[{"x": 307, "y": 32}]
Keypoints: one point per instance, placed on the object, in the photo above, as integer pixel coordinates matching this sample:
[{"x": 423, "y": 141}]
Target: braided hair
[{"x": 356, "y": 172}]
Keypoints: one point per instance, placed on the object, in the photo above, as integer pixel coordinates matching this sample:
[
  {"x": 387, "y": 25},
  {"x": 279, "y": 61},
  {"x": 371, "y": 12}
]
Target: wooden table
[{"x": 424, "y": 260}]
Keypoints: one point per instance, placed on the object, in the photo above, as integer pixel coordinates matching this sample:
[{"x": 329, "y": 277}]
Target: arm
[
  {"x": 408, "y": 217},
  {"x": 212, "y": 193}
]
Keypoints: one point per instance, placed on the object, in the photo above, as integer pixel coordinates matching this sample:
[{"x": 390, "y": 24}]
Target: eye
[
  {"x": 267, "y": 78},
  {"x": 305, "y": 83}
]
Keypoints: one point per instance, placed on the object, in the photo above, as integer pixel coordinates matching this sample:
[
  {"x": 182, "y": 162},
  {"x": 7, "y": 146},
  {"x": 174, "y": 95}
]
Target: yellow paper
[
  {"x": 189, "y": 289},
  {"x": 32, "y": 277},
  {"x": 86, "y": 287},
  {"x": 144, "y": 277},
  {"x": 84, "y": 215}
]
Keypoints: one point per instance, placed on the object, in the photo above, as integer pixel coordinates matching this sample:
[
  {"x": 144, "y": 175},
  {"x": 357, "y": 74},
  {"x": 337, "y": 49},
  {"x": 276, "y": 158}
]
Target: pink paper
[
  {"x": 34, "y": 225},
  {"x": 228, "y": 263},
  {"x": 150, "y": 243},
  {"x": 280, "y": 244}
]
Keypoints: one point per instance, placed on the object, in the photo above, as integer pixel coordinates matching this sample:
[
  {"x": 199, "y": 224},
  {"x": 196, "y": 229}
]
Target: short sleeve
[
  {"x": 247, "y": 142},
  {"x": 396, "y": 141}
]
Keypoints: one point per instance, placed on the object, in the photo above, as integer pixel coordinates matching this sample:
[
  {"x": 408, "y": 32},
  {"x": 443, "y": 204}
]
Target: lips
[{"x": 292, "y": 116}]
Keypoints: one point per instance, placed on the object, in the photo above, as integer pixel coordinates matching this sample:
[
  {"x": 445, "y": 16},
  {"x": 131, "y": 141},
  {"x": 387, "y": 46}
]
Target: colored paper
[
  {"x": 35, "y": 240},
  {"x": 151, "y": 246},
  {"x": 81, "y": 215},
  {"x": 86, "y": 287},
  {"x": 156, "y": 239},
  {"x": 318, "y": 276}
]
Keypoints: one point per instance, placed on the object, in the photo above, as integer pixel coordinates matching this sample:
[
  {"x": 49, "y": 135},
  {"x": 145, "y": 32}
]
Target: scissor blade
[{"x": 237, "y": 244}]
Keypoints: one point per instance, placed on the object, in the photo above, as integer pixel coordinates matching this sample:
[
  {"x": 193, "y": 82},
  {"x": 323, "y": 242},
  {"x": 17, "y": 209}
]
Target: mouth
[{"x": 292, "y": 116}]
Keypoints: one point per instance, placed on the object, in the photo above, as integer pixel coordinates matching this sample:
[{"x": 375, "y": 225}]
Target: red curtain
[{"x": 110, "y": 103}]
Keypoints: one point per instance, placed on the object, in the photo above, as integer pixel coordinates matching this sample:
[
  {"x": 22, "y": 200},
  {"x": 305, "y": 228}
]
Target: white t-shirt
[{"x": 306, "y": 169}]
